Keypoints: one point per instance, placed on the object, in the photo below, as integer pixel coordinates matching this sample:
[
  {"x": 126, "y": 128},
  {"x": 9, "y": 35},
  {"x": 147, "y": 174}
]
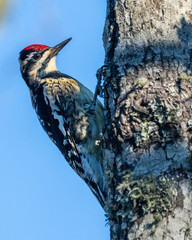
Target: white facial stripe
[
  {"x": 23, "y": 63},
  {"x": 30, "y": 56},
  {"x": 38, "y": 65}
]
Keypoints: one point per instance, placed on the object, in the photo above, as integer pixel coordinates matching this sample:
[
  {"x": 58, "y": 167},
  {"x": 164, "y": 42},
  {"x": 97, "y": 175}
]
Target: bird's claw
[
  {"x": 101, "y": 72},
  {"x": 99, "y": 90}
]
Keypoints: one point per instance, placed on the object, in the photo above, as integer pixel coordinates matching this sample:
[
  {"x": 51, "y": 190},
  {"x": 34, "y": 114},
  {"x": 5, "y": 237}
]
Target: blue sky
[{"x": 41, "y": 197}]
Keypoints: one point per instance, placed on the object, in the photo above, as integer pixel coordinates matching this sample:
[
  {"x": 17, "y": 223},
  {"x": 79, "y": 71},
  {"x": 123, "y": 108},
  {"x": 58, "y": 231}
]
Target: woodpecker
[{"x": 62, "y": 105}]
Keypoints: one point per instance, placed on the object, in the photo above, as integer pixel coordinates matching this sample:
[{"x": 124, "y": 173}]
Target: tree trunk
[{"x": 148, "y": 109}]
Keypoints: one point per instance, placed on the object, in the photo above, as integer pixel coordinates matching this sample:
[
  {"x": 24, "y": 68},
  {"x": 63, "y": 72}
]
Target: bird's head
[{"x": 37, "y": 60}]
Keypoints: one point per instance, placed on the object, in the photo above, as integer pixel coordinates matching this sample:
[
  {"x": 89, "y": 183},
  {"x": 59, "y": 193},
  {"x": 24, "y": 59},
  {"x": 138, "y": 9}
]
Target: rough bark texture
[{"x": 148, "y": 109}]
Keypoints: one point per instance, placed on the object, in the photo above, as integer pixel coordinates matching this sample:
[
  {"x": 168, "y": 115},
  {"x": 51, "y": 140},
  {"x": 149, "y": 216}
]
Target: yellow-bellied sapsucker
[{"x": 63, "y": 106}]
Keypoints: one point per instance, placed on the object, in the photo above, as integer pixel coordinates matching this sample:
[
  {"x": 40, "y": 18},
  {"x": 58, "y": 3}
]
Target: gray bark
[{"x": 148, "y": 110}]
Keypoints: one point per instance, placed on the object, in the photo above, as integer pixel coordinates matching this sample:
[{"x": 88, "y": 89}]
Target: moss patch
[
  {"x": 142, "y": 195},
  {"x": 185, "y": 77},
  {"x": 148, "y": 194}
]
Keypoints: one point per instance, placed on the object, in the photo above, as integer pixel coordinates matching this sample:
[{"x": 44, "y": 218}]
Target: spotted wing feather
[{"x": 57, "y": 107}]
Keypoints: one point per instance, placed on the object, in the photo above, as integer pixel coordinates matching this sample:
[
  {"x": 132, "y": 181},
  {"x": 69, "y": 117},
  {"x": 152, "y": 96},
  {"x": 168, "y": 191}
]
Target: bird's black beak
[{"x": 58, "y": 47}]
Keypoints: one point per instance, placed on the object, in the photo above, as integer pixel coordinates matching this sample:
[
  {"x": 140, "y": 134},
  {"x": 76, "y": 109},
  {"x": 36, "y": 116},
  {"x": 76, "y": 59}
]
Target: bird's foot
[{"x": 99, "y": 90}]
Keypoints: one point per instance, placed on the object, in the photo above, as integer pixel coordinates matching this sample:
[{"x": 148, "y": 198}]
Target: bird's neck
[
  {"x": 37, "y": 73},
  {"x": 51, "y": 66}
]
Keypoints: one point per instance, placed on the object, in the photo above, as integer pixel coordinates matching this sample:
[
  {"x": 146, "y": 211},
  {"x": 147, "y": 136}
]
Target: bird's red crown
[{"x": 36, "y": 47}]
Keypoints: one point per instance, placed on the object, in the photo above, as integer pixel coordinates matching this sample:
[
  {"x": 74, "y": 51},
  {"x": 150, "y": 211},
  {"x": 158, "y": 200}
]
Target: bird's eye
[{"x": 36, "y": 57}]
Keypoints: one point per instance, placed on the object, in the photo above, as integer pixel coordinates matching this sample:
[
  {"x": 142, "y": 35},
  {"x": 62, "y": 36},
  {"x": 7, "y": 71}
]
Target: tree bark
[{"x": 148, "y": 110}]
